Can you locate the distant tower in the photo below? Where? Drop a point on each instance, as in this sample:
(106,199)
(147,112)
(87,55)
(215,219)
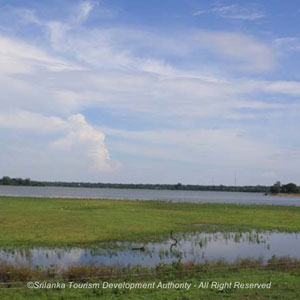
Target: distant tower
(235,179)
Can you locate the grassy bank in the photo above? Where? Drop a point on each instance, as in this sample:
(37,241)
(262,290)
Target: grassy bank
(282,273)
(42,221)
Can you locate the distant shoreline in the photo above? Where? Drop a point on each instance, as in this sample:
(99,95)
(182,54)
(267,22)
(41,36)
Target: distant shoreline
(285,195)
(8,181)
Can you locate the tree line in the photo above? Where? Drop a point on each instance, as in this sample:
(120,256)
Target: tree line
(276,188)
(290,188)
(6,180)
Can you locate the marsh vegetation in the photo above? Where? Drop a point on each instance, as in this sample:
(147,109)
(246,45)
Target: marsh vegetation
(41,228)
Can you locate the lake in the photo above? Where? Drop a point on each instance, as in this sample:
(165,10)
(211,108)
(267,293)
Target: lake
(140,194)
(192,246)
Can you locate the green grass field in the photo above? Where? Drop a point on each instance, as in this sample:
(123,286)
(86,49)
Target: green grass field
(42,221)
(61,222)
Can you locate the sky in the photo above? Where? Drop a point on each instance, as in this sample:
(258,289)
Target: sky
(169,91)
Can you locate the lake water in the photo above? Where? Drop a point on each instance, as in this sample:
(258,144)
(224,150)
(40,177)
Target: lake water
(196,247)
(139,194)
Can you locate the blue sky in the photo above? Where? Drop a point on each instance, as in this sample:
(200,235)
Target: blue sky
(150,91)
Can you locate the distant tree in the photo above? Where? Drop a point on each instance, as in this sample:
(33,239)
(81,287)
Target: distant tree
(177,186)
(290,188)
(276,188)
(6,180)
(27,181)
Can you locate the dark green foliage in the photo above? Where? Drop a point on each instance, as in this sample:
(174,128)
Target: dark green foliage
(179,186)
(276,188)
(6,180)
(290,188)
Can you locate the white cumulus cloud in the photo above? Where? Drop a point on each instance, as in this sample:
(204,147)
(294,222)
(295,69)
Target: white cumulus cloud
(73,137)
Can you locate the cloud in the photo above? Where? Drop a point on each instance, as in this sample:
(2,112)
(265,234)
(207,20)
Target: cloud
(207,152)
(290,88)
(19,57)
(72,136)
(238,12)
(84,10)
(90,141)
(200,12)
(25,120)
(107,71)
(199,146)
(287,43)
(146,85)
(144,50)
(182,81)
(233,12)
(250,53)
(137,84)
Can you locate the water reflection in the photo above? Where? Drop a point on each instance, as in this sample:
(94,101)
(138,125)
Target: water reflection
(195,247)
